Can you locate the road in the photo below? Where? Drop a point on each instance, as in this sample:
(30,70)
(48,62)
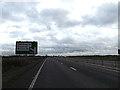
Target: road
(59,72)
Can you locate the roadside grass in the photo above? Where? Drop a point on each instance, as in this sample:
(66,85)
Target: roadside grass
(85,60)
(14,67)
(107,58)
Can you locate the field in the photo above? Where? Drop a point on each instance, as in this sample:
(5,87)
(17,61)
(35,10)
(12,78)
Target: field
(107,57)
(13,67)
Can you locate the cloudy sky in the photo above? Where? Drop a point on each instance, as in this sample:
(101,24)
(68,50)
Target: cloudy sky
(61,27)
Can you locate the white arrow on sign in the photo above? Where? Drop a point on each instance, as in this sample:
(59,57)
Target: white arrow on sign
(33,49)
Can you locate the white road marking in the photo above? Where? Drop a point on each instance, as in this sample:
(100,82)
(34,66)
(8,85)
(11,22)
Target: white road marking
(35,78)
(73,68)
(105,68)
(61,63)
(110,70)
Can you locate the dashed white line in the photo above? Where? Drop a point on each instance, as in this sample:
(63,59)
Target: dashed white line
(61,63)
(73,68)
(35,78)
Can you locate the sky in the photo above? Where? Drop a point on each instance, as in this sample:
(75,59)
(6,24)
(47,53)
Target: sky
(61,27)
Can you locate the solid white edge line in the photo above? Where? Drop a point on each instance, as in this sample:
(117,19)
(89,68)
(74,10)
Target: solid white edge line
(35,78)
(73,68)
(104,68)
(110,70)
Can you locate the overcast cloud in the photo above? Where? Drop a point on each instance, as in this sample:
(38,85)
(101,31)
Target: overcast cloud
(106,14)
(61,27)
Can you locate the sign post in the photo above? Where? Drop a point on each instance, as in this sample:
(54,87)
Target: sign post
(119,51)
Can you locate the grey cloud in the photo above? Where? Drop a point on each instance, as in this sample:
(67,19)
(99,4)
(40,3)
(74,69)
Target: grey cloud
(54,46)
(33,16)
(16,26)
(44,41)
(8,49)
(103,43)
(8,53)
(34,30)
(17,34)
(50,50)
(59,16)
(68,41)
(21,11)
(26,38)
(13,10)
(68,44)
(119,14)
(106,14)
(41,39)
(9,11)
(119,25)
(39,29)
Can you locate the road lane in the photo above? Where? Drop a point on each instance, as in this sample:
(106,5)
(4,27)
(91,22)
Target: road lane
(57,75)
(109,77)
(52,76)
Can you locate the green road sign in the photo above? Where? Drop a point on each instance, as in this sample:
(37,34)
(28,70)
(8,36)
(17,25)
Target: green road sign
(26,47)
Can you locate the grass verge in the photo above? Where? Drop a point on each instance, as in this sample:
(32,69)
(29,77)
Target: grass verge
(106,58)
(13,68)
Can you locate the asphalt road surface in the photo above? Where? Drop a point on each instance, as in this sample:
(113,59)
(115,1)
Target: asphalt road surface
(59,72)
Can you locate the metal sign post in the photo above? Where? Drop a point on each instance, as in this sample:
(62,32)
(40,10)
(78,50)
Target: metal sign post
(118,51)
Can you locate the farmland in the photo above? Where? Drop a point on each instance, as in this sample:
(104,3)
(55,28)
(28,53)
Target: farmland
(97,57)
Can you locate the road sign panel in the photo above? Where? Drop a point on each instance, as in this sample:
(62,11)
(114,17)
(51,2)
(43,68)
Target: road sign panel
(26,47)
